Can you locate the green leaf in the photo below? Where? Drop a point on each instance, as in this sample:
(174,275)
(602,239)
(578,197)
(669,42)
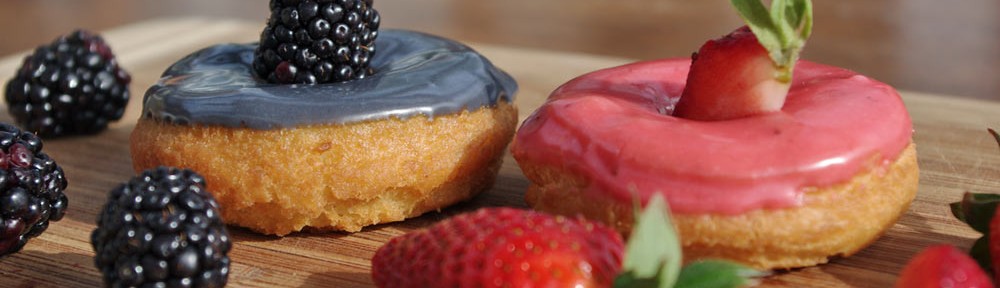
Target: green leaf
(717,274)
(631,280)
(760,22)
(995,134)
(794,16)
(804,9)
(981,252)
(779,17)
(956,210)
(976,209)
(653,252)
(782,30)
(653,256)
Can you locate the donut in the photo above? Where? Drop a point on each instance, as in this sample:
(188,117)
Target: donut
(823,177)
(426,130)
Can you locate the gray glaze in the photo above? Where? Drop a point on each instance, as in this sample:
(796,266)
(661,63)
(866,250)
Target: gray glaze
(415,74)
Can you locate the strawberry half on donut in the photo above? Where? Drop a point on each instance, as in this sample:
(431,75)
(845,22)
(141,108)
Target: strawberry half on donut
(749,71)
(758,168)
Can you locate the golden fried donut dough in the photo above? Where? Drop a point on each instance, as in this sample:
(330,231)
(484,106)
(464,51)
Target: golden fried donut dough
(833,221)
(335,177)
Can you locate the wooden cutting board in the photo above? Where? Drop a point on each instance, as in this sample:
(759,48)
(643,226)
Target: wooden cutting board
(955,151)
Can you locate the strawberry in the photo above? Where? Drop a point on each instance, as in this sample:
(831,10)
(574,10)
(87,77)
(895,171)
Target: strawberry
(507,247)
(979,211)
(994,232)
(731,77)
(994,245)
(747,72)
(942,266)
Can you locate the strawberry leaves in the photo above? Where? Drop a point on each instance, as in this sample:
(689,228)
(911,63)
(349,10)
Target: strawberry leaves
(976,210)
(979,212)
(995,134)
(713,273)
(653,257)
(782,31)
(653,253)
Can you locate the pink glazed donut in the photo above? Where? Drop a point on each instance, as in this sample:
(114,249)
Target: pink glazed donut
(824,177)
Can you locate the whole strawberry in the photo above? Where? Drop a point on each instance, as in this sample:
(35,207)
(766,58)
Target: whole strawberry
(502,247)
(993,235)
(979,211)
(994,246)
(506,247)
(942,266)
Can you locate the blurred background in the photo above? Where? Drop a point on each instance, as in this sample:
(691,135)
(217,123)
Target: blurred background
(933,46)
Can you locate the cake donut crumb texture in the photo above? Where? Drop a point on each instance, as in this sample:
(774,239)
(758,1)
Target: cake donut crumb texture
(427,130)
(335,177)
(834,221)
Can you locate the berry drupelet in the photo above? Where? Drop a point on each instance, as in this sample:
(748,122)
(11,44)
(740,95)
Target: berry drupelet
(72,86)
(162,229)
(317,41)
(31,189)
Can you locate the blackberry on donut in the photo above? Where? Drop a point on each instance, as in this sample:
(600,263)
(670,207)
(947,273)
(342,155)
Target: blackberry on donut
(311,41)
(427,129)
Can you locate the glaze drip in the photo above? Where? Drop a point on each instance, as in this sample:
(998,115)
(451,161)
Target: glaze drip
(415,74)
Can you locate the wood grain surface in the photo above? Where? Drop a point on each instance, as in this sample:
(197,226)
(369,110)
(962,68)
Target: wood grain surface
(956,154)
(935,46)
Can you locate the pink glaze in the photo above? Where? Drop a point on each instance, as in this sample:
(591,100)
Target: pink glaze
(613,127)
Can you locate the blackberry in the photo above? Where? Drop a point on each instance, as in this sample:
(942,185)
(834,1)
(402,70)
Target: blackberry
(31,189)
(162,229)
(72,86)
(317,41)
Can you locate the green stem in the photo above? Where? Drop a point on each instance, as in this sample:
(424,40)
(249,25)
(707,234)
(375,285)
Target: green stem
(782,30)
